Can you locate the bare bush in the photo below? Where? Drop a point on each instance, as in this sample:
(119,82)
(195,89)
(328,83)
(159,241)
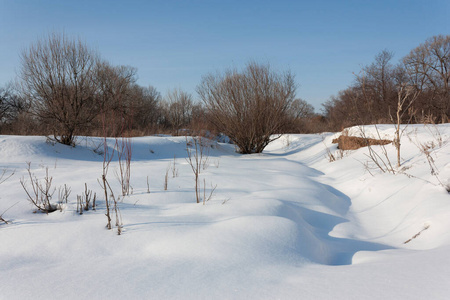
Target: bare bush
(3,178)
(405,98)
(79,205)
(427,149)
(178,110)
(116,94)
(63,195)
(86,200)
(11,106)
(1,215)
(58,77)
(146,108)
(124,154)
(211,193)
(197,150)
(301,113)
(41,191)
(112,201)
(381,161)
(119,223)
(174,167)
(435,133)
(330,155)
(251,107)
(108,155)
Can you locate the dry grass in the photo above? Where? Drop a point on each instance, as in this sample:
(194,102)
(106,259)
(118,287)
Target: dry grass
(352,142)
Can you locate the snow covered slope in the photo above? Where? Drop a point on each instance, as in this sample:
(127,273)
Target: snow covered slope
(285,224)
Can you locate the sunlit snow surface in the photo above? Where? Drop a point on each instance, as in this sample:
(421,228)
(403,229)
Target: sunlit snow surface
(285,224)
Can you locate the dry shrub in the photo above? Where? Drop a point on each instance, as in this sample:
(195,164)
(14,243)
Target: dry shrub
(251,107)
(352,142)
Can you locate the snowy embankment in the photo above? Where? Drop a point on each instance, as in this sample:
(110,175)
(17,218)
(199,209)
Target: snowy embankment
(286,224)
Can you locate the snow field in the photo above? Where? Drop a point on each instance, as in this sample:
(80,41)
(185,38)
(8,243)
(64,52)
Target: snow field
(285,224)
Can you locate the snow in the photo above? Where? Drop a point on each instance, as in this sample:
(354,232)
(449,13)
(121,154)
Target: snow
(284,224)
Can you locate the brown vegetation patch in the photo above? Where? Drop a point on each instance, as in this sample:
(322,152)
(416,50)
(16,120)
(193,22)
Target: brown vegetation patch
(352,142)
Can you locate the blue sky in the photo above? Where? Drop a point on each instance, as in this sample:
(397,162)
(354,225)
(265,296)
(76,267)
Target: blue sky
(174,43)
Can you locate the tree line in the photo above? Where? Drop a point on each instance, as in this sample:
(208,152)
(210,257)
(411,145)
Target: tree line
(65,89)
(373,96)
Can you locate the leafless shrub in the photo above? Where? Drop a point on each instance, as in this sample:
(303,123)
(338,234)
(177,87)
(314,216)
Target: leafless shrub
(1,215)
(427,148)
(84,201)
(251,107)
(79,204)
(174,168)
(63,195)
(330,155)
(333,157)
(4,176)
(107,157)
(112,201)
(211,193)
(178,109)
(58,77)
(435,133)
(406,96)
(381,161)
(97,148)
(41,191)
(124,154)
(117,213)
(197,150)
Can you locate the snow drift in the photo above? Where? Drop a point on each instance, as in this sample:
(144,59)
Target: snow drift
(285,224)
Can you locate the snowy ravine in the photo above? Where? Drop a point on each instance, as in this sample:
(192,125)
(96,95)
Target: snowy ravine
(285,224)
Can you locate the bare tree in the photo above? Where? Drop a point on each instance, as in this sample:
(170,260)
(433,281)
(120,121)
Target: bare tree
(251,106)
(58,77)
(301,109)
(178,109)
(405,99)
(5,108)
(115,92)
(146,112)
(429,68)
(13,107)
(301,113)
(197,150)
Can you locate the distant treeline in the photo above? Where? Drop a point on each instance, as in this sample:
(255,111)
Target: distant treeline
(373,96)
(65,89)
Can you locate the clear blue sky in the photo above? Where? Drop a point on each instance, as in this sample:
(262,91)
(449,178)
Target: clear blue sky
(174,43)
